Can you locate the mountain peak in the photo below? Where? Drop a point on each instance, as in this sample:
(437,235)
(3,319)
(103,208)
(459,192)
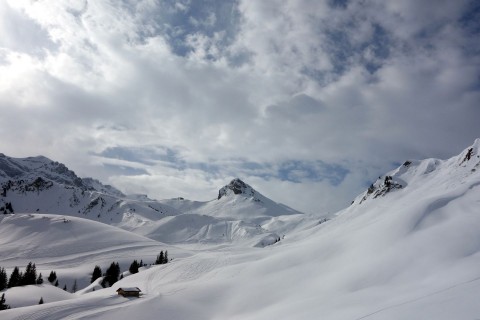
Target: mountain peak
(416,171)
(236,186)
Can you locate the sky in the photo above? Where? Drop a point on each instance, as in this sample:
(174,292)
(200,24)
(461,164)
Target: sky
(308,101)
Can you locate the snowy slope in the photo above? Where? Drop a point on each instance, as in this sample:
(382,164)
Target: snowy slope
(72,247)
(409,252)
(39,185)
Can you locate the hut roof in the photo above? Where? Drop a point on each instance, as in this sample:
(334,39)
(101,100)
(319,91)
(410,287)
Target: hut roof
(129,289)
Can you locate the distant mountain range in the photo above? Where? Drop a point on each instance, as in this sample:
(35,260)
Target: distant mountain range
(40,185)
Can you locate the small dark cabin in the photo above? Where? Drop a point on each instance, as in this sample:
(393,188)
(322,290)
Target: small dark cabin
(129,292)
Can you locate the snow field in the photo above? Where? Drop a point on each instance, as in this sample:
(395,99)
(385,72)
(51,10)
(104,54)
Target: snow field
(412,253)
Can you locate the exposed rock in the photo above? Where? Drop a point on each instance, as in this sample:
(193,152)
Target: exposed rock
(381,188)
(468,156)
(238,187)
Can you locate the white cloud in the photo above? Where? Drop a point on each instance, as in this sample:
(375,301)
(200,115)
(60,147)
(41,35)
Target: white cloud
(360,86)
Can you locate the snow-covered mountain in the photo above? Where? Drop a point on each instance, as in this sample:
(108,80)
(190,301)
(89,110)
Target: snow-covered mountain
(40,185)
(240,213)
(407,248)
(236,199)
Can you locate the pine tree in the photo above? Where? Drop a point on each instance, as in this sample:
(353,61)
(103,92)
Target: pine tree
(103,283)
(141,263)
(41,301)
(30,276)
(111,275)
(52,277)
(74,287)
(21,282)
(165,257)
(3,305)
(8,206)
(14,280)
(97,273)
(133,267)
(65,287)
(3,279)
(56,283)
(40,279)
(159,258)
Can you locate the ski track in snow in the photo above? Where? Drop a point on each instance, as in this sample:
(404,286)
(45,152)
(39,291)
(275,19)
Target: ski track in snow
(418,298)
(75,310)
(188,270)
(53,312)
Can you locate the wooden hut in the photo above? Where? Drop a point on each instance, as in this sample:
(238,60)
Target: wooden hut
(129,292)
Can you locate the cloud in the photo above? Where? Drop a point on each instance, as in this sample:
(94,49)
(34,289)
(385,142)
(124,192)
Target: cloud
(174,98)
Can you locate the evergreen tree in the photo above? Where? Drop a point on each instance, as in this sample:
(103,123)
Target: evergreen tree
(133,267)
(159,258)
(8,206)
(40,279)
(52,277)
(74,287)
(21,282)
(30,276)
(41,301)
(111,275)
(65,287)
(97,273)
(3,305)
(165,257)
(56,283)
(141,263)
(103,283)
(3,279)
(14,280)
(33,274)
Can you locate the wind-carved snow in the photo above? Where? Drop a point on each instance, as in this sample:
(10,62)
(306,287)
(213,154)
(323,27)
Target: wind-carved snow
(409,253)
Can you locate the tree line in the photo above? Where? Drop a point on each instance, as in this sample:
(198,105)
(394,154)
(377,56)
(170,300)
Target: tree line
(113,273)
(30,277)
(20,278)
(24,278)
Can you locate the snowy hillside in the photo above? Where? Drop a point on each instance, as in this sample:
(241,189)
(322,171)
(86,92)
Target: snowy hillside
(39,185)
(407,248)
(72,247)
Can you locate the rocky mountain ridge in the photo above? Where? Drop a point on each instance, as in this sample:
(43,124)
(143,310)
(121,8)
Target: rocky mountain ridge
(40,185)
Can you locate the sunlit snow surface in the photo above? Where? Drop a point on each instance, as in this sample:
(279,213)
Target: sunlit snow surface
(409,253)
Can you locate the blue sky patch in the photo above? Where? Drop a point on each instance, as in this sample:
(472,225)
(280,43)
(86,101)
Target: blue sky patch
(298,171)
